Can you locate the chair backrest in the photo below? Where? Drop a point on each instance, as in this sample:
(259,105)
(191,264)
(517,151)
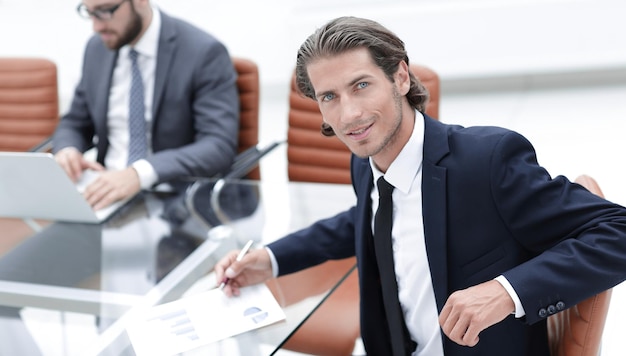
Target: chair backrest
(578,330)
(248,87)
(29,102)
(317,158)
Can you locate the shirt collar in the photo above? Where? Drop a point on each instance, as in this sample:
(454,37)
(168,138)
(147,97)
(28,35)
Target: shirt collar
(403,170)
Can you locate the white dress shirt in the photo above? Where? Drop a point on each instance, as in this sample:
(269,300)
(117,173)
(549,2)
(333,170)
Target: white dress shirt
(415,288)
(117,122)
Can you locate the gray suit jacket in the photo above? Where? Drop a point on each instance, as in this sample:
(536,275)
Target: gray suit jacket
(195,106)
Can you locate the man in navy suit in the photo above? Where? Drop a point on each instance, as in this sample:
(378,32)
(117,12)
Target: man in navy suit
(190,100)
(485,244)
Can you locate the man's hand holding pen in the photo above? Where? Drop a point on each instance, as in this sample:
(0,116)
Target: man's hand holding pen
(240,256)
(239,269)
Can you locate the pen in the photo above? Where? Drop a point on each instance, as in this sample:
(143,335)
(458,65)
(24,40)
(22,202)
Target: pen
(242,253)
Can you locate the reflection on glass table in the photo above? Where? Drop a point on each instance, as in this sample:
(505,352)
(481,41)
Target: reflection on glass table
(67,289)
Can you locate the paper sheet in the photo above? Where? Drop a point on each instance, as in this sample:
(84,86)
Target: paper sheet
(201,319)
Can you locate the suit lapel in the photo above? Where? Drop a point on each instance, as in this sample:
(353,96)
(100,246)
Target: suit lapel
(373,318)
(165,55)
(363,186)
(434,206)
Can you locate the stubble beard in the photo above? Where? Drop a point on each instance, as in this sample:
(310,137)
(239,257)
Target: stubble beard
(129,33)
(390,138)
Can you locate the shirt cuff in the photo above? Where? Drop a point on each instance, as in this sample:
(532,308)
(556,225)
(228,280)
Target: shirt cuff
(273,261)
(519,308)
(146,173)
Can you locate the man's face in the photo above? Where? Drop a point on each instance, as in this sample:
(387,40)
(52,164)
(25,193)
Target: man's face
(123,27)
(367,112)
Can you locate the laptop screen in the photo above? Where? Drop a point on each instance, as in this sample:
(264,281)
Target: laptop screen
(33,185)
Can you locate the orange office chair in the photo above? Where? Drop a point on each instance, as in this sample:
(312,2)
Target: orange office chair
(29,103)
(248,87)
(313,157)
(577,331)
(29,113)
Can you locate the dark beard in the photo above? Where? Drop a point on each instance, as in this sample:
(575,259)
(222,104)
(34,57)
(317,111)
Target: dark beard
(132,31)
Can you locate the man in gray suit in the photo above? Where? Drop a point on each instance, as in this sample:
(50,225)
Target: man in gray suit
(190,102)
(191,114)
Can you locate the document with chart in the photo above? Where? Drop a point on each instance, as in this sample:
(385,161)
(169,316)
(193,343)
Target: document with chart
(201,319)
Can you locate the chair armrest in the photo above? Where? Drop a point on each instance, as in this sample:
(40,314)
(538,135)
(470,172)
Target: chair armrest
(248,159)
(202,198)
(44,146)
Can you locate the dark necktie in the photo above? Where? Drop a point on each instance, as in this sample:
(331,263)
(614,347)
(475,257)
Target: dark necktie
(137,146)
(401,343)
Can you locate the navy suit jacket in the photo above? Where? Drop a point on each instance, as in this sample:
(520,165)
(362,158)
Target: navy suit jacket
(195,106)
(489,209)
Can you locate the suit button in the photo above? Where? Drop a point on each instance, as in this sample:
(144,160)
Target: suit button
(560,306)
(543,313)
(551,309)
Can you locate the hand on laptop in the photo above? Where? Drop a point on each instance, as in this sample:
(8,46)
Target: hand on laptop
(107,188)
(112,186)
(73,163)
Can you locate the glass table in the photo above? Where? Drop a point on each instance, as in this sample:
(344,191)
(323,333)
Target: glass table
(69,288)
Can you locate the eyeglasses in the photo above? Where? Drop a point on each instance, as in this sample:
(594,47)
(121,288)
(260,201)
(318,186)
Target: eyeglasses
(102,14)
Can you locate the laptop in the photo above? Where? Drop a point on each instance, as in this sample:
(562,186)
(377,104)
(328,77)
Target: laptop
(33,185)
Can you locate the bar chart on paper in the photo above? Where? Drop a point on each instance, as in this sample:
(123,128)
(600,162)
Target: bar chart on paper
(201,319)
(177,323)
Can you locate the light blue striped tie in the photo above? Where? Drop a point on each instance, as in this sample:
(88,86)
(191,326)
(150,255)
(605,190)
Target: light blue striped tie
(137,147)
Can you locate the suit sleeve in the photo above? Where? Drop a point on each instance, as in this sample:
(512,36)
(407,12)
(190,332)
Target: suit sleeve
(327,239)
(76,128)
(211,105)
(579,239)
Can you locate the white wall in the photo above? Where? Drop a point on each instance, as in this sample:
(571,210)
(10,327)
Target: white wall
(460,39)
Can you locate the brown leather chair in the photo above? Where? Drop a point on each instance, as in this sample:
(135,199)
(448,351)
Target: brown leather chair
(334,328)
(248,86)
(29,113)
(577,331)
(29,102)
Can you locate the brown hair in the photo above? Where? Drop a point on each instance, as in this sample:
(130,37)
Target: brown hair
(347,33)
